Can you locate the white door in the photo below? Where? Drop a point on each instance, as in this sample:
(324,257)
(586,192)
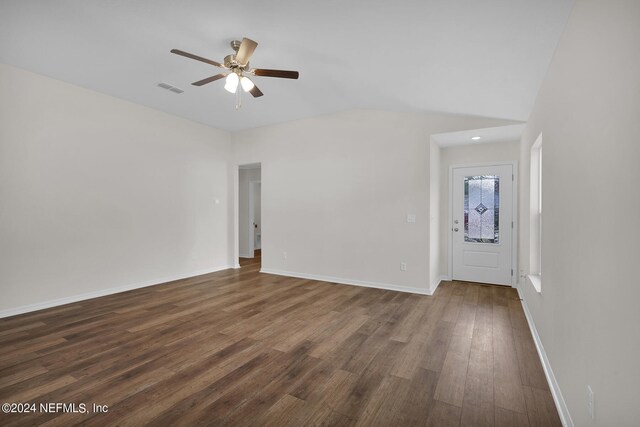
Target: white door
(482,224)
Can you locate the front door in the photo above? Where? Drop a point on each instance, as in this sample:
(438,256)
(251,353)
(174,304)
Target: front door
(482,226)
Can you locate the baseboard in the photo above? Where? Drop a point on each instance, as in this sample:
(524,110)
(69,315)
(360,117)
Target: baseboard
(104,292)
(563,411)
(439,279)
(351,282)
(247,255)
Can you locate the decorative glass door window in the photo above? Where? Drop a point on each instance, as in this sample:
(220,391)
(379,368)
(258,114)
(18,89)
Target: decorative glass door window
(482,209)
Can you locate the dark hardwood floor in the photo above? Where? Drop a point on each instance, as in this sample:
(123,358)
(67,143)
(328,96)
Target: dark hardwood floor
(243,348)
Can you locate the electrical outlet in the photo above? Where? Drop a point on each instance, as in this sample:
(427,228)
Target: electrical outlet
(284,255)
(590,402)
(403,266)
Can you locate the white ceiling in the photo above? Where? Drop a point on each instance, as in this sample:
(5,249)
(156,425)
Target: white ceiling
(481,58)
(508,133)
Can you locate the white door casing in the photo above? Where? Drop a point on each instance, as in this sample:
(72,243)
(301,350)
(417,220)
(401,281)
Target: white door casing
(482,252)
(255,211)
(252,225)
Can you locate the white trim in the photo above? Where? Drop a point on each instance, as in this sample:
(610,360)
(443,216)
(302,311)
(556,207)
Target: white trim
(561,406)
(535,280)
(351,282)
(247,255)
(236,213)
(516,226)
(535,210)
(236,205)
(103,292)
(514,216)
(450,224)
(252,217)
(439,279)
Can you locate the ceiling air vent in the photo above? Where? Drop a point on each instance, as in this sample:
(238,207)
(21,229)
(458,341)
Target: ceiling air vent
(168,87)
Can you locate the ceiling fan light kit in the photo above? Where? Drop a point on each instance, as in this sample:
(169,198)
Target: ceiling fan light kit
(231,82)
(238,65)
(246,83)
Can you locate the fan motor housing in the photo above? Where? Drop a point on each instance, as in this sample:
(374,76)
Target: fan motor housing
(230,62)
(235,45)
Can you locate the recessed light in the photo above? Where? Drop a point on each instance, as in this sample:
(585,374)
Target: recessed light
(475,138)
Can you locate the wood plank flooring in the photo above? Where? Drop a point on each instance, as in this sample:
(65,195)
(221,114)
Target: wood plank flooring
(243,348)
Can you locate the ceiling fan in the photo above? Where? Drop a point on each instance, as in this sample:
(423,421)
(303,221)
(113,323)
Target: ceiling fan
(238,65)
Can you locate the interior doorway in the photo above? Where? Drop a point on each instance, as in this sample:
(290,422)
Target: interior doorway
(482,231)
(255,218)
(250,215)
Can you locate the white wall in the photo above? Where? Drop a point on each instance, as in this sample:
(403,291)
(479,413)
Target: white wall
(437,223)
(588,112)
(245,177)
(98,193)
(466,155)
(348,180)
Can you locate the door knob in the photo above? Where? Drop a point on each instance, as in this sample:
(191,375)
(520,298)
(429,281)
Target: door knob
(455,229)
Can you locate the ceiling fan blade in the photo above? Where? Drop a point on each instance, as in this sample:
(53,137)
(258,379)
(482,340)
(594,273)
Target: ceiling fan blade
(209,80)
(196,57)
(245,51)
(256,92)
(276,73)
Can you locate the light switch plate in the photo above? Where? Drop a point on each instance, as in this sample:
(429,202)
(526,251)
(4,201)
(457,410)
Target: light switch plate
(411,218)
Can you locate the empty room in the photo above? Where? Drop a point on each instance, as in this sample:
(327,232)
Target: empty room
(410,213)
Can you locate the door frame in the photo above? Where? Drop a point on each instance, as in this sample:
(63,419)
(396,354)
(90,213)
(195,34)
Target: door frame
(252,215)
(234,208)
(514,216)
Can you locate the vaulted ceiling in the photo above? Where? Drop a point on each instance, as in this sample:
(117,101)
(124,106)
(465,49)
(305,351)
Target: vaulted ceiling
(482,58)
